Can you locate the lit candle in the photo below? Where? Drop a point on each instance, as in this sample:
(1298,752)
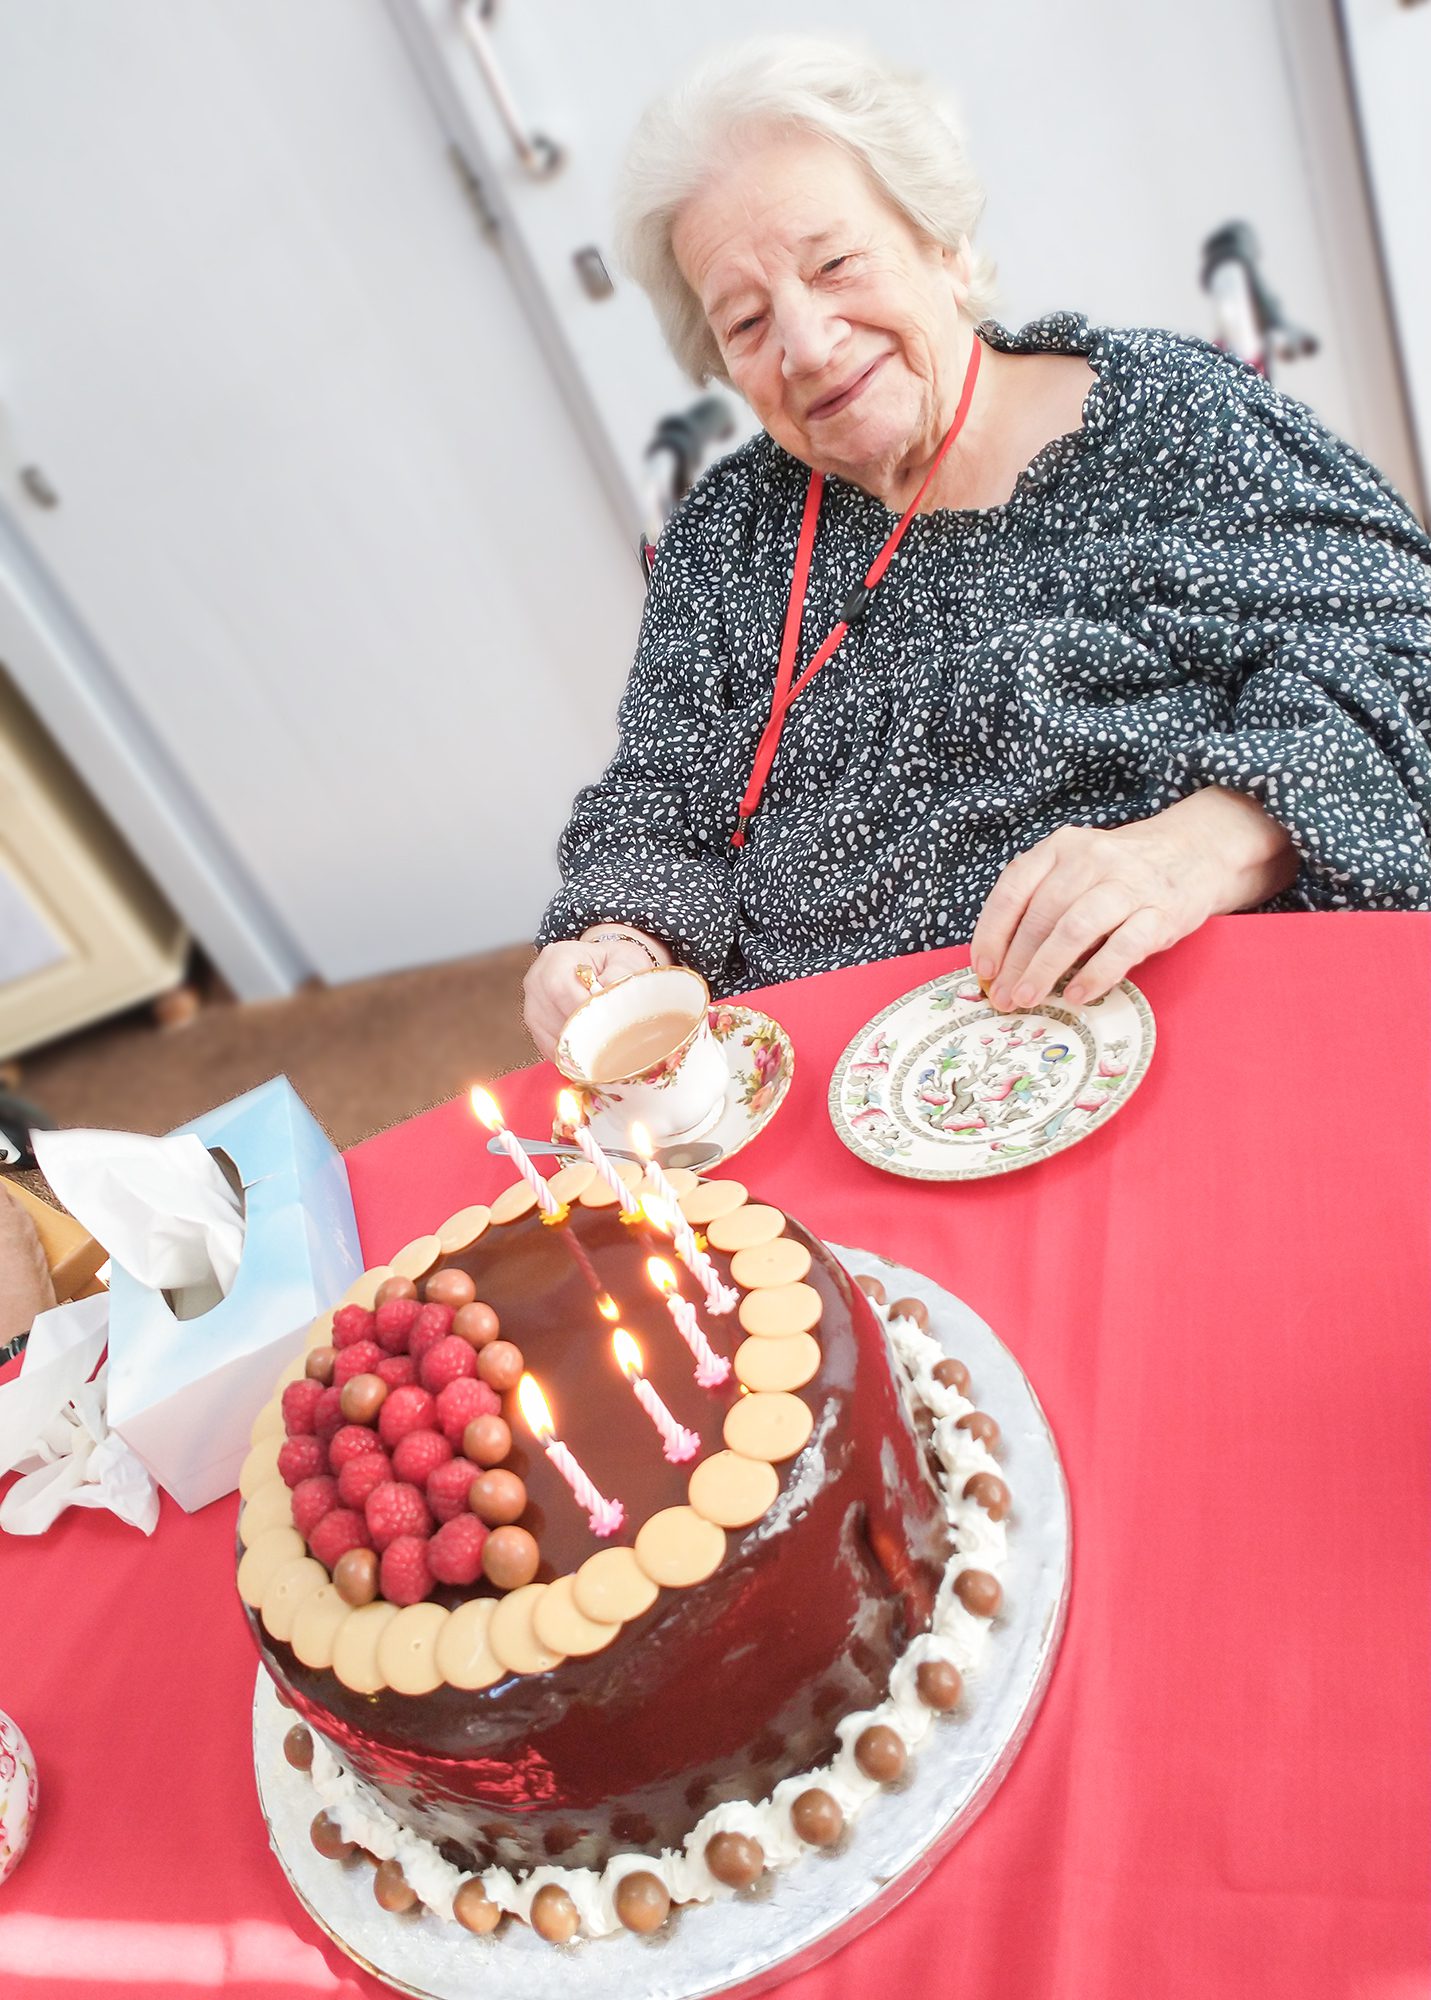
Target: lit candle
(641,1143)
(711,1368)
(486,1107)
(669,1217)
(569,1112)
(603,1516)
(680,1443)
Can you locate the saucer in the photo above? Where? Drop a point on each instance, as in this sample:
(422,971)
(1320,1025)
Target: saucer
(761,1060)
(942,1087)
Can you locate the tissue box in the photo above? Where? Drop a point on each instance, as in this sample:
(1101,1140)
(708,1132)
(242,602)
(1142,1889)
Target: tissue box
(183,1394)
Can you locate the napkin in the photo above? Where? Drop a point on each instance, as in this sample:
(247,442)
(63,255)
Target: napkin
(53,1429)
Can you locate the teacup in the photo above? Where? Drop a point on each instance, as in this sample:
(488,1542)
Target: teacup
(644,1047)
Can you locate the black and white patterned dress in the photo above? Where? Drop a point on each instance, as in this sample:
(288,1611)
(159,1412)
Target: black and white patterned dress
(1203,586)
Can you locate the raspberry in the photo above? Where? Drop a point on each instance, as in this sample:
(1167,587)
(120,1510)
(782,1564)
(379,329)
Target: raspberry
(300,1399)
(449,1486)
(394,1323)
(447,1360)
(328,1413)
(418,1455)
(433,1323)
(361,1358)
(393,1509)
(397,1370)
(301,1458)
(353,1441)
(405,1577)
(351,1323)
(360,1475)
(460,1402)
(312,1499)
(405,1410)
(336,1533)
(454,1554)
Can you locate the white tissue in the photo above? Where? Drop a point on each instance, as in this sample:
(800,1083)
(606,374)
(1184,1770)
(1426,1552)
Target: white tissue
(53,1429)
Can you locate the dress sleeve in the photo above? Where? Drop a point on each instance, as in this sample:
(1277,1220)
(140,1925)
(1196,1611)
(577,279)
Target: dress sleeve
(1305,585)
(633,850)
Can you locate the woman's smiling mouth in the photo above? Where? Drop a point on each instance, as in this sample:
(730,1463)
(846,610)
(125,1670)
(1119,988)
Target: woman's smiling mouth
(832,405)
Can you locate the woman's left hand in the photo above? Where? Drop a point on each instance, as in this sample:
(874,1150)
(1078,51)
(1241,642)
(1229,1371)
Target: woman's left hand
(1122,893)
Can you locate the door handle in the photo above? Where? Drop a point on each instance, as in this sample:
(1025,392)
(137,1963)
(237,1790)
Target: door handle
(539,156)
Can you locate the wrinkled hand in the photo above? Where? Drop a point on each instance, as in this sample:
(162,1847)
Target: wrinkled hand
(552,989)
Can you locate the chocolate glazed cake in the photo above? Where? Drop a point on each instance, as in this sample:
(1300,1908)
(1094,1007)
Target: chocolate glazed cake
(718,1691)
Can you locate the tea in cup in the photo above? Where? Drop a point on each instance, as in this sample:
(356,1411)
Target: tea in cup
(644,1046)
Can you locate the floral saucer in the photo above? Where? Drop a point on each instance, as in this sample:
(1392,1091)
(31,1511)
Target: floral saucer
(942,1087)
(761,1060)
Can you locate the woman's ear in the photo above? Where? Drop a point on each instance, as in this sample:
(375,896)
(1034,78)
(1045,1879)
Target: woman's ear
(959,265)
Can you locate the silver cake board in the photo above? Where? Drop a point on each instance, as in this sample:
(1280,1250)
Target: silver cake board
(799,1915)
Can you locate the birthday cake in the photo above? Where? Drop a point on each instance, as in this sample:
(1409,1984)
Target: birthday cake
(601,1584)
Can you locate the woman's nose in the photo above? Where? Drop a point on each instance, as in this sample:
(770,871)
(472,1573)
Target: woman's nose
(810,331)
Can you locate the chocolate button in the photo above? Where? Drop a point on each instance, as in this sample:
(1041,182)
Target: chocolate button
(599,1195)
(462,1230)
(763,1363)
(773,1426)
(783,1262)
(263,1559)
(784,1310)
(681,1181)
(270,1507)
(462,1654)
(746,1228)
(562,1627)
(512,1634)
(320,1333)
(570,1183)
(364,1289)
(261,1465)
(415,1259)
(732,1491)
(612,1588)
(407,1650)
(703,1203)
(355,1650)
(316,1627)
(268,1420)
(287,1588)
(679,1547)
(513,1202)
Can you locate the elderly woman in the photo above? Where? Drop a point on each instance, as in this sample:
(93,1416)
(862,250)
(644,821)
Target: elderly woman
(1057,641)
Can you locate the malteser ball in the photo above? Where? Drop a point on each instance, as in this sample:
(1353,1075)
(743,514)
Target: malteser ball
(298,1748)
(554,1914)
(954,1375)
(476,1323)
(817,1818)
(500,1365)
(981,1425)
(939,1684)
(474,1908)
(914,1309)
(990,1492)
(450,1287)
(392,1888)
(880,1753)
(978,1592)
(327,1839)
(394,1288)
(319,1365)
(498,1498)
(510,1558)
(643,1901)
(361,1397)
(355,1576)
(872,1289)
(487,1440)
(735,1859)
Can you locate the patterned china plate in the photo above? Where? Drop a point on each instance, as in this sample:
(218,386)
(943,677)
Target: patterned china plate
(761,1060)
(942,1087)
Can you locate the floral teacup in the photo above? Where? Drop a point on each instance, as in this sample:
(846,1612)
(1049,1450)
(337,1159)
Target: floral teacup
(679,1090)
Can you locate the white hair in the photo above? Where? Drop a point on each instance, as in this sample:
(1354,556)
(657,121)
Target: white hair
(891,122)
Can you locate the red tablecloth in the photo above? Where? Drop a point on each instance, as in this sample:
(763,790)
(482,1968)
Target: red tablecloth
(1222,1302)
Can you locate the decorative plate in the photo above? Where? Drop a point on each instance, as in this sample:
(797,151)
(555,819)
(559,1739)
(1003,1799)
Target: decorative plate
(942,1087)
(761,1060)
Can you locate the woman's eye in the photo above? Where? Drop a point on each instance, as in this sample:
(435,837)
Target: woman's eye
(743,326)
(833,265)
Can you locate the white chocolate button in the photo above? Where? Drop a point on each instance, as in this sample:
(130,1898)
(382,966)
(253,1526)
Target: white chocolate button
(782,1310)
(773,1426)
(417,1258)
(364,1289)
(679,1547)
(746,1228)
(315,1628)
(287,1590)
(612,1588)
(570,1183)
(292,1373)
(271,1506)
(320,1334)
(268,1420)
(733,1491)
(680,1179)
(512,1635)
(599,1195)
(563,1628)
(513,1202)
(703,1203)
(460,1231)
(763,1363)
(407,1650)
(263,1558)
(261,1465)
(464,1658)
(783,1262)
(355,1651)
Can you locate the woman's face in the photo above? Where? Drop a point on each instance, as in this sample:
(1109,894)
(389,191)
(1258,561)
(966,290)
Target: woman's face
(838,322)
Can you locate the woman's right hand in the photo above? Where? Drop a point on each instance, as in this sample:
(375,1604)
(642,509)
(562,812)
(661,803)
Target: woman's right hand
(553,989)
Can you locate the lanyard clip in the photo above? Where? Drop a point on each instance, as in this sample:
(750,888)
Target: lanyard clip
(856,604)
(737,839)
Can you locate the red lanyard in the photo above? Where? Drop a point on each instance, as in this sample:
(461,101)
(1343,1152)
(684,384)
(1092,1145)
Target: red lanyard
(854,608)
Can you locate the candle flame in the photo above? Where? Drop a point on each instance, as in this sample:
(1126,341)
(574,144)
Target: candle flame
(608,1307)
(660,1274)
(641,1142)
(569,1110)
(657,1213)
(486,1107)
(535,1407)
(628,1354)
